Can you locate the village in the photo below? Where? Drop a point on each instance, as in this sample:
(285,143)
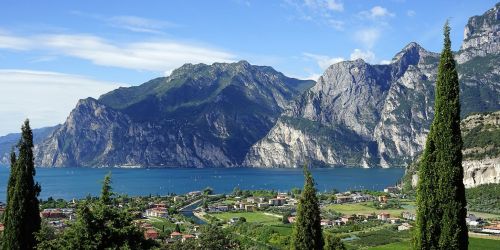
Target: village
(172,218)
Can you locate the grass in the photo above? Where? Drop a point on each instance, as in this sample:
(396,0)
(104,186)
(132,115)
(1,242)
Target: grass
(258,217)
(363,208)
(474,244)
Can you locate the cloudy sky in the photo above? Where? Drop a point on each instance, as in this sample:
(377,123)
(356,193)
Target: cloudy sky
(53,53)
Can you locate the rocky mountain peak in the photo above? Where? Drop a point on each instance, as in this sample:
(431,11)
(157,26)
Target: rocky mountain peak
(481,35)
(410,53)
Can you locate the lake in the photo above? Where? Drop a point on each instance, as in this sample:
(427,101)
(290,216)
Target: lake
(68,183)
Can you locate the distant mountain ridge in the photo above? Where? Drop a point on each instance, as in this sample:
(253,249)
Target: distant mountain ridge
(237,114)
(8,141)
(199,116)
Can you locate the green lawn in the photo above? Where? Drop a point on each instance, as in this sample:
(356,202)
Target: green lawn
(363,208)
(474,244)
(258,217)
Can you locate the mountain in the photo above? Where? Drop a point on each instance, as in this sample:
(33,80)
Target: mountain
(481,151)
(7,142)
(199,116)
(379,115)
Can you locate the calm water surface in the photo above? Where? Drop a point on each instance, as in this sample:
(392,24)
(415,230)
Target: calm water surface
(68,183)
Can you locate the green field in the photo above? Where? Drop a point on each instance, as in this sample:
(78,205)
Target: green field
(258,217)
(474,244)
(364,208)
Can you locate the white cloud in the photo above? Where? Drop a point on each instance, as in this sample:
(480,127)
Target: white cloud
(411,13)
(324,61)
(333,5)
(367,56)
(46,98)
(368,37)
(157,56)
(376,12)
(11,42)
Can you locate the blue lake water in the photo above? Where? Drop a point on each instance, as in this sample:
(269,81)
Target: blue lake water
(68,183)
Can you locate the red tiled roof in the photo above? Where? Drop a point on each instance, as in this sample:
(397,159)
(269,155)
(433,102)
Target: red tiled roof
(175,234)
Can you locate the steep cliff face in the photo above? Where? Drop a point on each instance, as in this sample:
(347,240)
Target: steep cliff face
(199,116)
(380,111)
(481,36)
(387,108)
(481,151)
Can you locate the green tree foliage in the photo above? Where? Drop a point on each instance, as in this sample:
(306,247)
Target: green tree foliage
(333,243)
(100,225)
(213,238)
(177,228)
(441,193)
(22,215)
(307,234)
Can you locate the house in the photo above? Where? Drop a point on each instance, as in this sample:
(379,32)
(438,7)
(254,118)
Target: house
(492,229)
(159,205)
(2,227)
(391,190)
(52,214)
(157,212)
(338,222)
(151,234)
(249,208)
(175,235)
(261,199)
(277,202)
(223,208)
(251,200)
(472,220)
(291,219)
(262,205)
(383,216)
(343,198)
(187,237)
(325,222)
(178,198)
(404,226)
(282,196)
(346,219)
(382,199)
(408,215)
(195,193)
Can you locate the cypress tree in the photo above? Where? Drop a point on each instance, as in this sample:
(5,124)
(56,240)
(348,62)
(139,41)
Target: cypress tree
(22,217)
(441,193)
(307,234)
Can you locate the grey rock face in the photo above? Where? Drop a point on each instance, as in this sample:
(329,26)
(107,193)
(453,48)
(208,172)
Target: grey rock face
(481,36)
(388,109)
(199,116)
(382,111)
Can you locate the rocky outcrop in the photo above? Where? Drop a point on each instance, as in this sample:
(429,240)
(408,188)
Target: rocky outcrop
(484,171)
(481,36)
(481,150)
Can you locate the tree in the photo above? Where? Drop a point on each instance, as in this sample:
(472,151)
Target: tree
(307,234)
(213,238)
(177,228)
(334,243)
(100,225)
(441,200)
(106,190)
(208,191)
(22,215)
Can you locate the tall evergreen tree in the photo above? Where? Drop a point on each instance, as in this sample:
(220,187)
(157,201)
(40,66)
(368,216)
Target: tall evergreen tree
(22,216)
(307,234)
(441,193)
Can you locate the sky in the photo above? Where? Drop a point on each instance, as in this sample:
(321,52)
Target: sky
(53,53)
